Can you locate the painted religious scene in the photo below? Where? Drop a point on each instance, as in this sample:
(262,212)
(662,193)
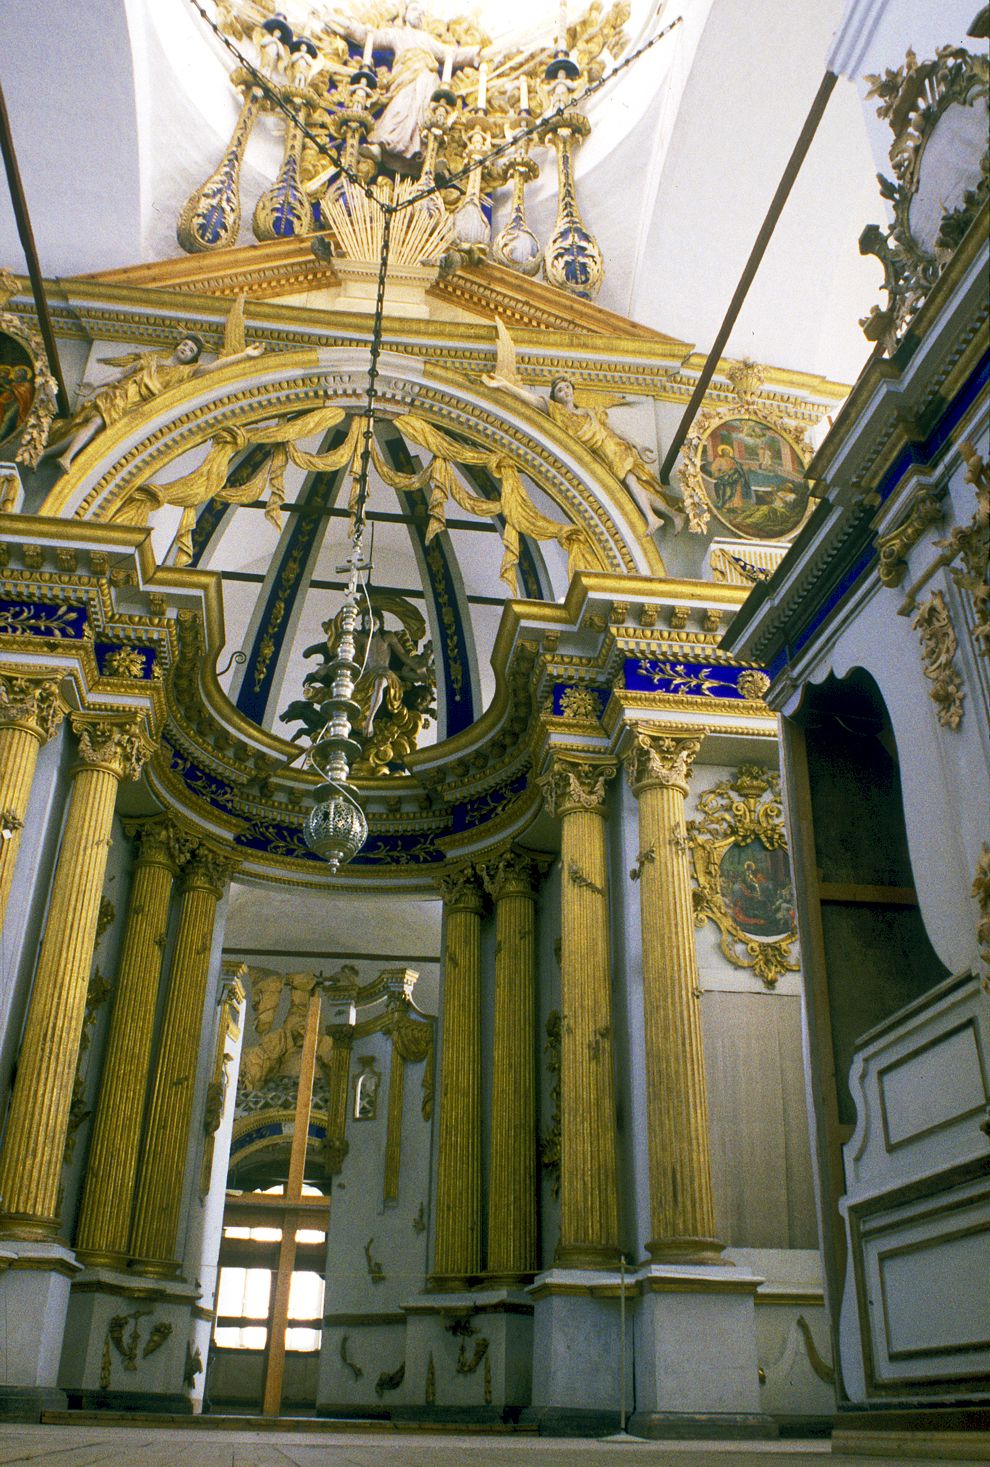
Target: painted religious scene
(16,387)
(754,479)
(756,888)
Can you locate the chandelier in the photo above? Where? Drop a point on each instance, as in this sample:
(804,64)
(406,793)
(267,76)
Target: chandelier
(406,224)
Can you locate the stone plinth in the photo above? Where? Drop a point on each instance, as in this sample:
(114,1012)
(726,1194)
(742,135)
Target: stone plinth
(35,1278)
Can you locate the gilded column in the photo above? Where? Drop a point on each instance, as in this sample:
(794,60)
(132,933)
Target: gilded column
(512,880)
(682,1214)
(30,712)
(457,1240)
(574,792)
(105,1216)
(31,1161)
(155,1226)
(336,1147)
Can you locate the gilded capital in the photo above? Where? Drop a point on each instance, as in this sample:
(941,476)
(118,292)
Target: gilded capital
(462,889)
(575,784)
(120,748)
(515,872)
(32,703)
(661,759)
(160,842)
(208,870)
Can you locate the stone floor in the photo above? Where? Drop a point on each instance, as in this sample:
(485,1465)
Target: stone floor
(151,1446)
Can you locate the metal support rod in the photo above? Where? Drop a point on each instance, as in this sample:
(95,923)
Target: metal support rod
(26,235)
(752,265)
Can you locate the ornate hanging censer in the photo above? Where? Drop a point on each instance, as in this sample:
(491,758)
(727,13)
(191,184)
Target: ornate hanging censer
(336,827)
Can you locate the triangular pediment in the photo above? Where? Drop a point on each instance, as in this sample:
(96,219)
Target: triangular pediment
(288,271)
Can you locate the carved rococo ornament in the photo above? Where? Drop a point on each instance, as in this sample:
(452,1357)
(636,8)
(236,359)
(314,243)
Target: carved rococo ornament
(33,433)
(933,622)
(662,759)
(121,748)
(574,784)
(915,99)
(33,702)
(925,510)
(738,851)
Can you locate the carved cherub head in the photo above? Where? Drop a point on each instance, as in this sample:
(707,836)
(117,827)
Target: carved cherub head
(189,350)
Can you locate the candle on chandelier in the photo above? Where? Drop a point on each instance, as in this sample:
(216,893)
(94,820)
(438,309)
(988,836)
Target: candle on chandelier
(448,66)
(483,86)
(562,27)
(524,94)
(369,46)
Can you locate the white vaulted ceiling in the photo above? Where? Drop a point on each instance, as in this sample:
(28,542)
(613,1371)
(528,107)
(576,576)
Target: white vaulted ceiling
(121,109)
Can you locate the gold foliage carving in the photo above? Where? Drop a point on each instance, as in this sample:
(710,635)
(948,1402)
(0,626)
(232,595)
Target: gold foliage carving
(34,431)
(938,649)
(981,892)
(926,510)
(743,811)
(971,545)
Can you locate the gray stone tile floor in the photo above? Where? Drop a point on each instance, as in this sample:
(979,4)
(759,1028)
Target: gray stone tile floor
(151,1446)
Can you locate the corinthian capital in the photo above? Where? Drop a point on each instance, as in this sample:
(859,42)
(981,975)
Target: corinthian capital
(208,869)
(160,841)
(515,872)
(462,889)
(662,759)
(32,702)
(575,784)
(121,748)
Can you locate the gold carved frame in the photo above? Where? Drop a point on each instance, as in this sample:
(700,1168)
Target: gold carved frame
(736,812)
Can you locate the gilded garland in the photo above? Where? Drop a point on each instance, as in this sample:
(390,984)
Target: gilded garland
(739,855)
(27,387)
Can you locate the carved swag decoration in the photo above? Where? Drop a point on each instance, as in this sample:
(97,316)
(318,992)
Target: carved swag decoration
(739,856)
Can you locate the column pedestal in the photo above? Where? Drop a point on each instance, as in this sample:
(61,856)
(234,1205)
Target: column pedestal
(106,1305)
(576,1352)
(35,1278)
(697,1371)
(468,1358)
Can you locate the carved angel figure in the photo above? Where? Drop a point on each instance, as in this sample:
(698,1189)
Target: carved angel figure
(147,375)
(394,691)
(590,426)
(413,76)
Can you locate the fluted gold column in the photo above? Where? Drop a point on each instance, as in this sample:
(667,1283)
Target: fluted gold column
(682,1215)
(105,1216)
(457,1240)
(512,880)
(34,1141)
(154,1230)
(30,712)
(574,792)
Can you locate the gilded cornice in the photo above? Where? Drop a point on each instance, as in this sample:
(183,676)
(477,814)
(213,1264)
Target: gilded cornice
(595,348)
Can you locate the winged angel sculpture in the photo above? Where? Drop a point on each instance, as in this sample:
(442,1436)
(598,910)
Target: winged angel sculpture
(148,374)
(590,426)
